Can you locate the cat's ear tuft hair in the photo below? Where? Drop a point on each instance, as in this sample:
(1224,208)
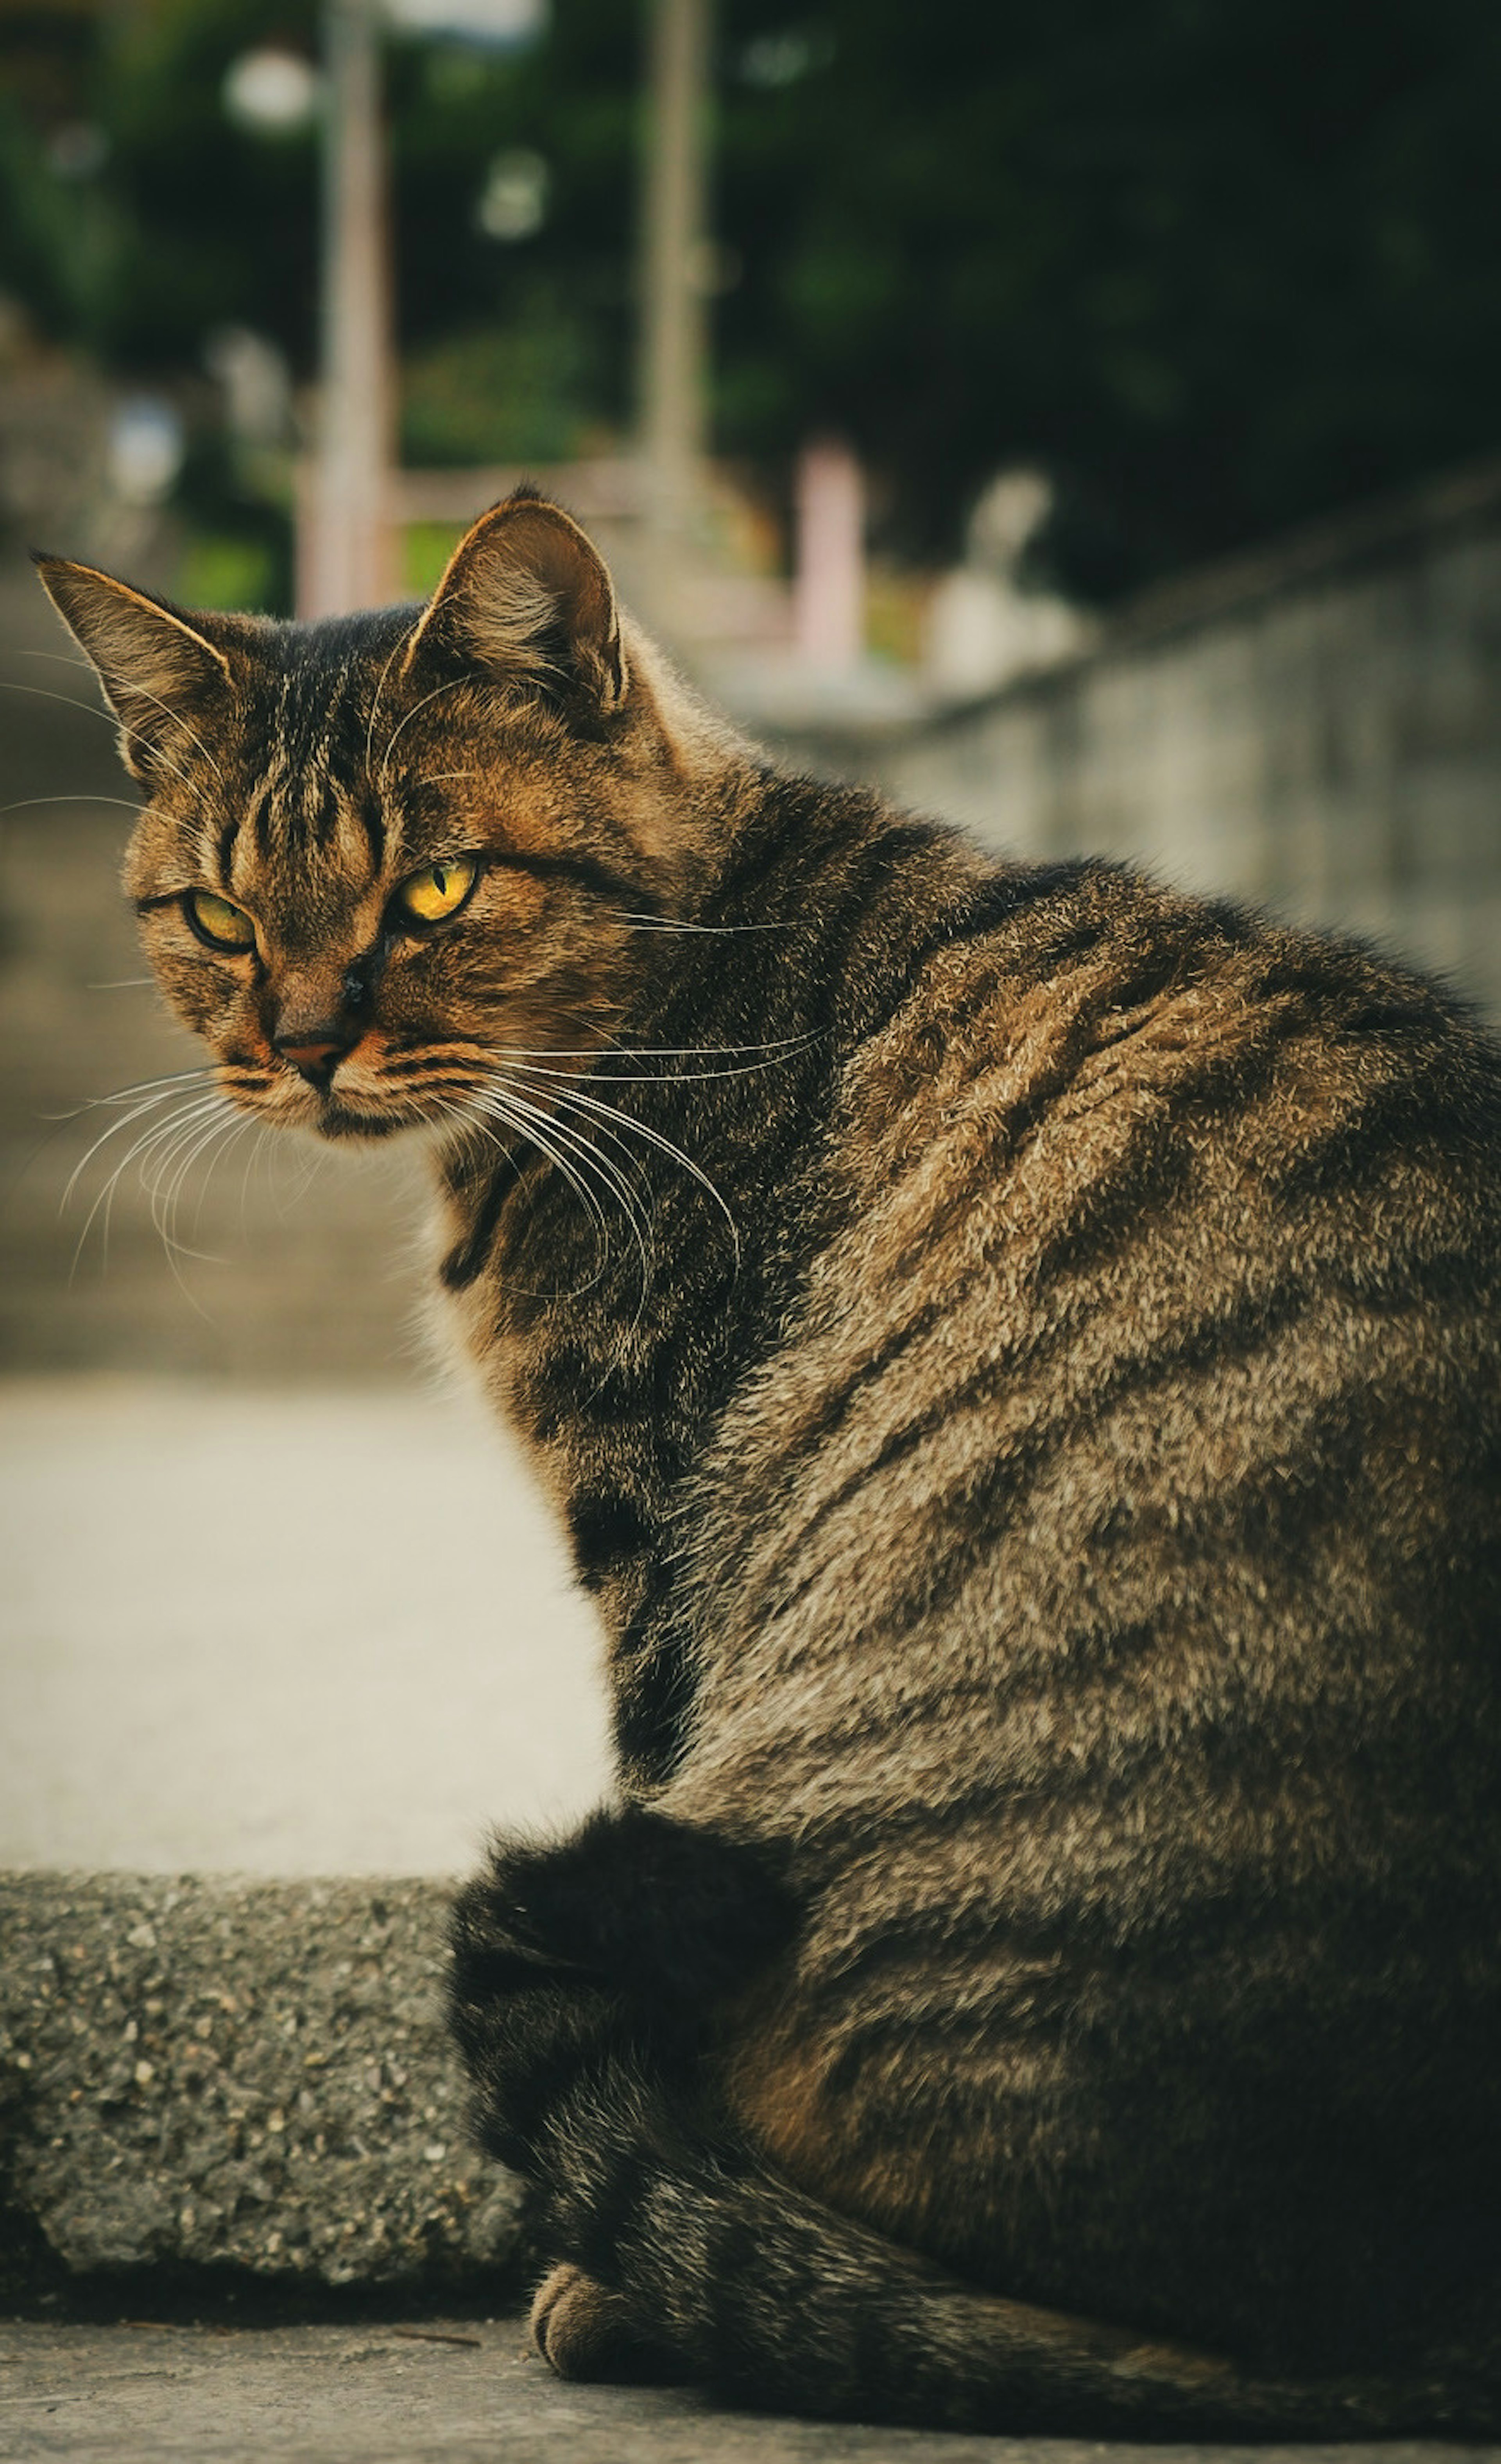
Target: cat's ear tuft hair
(159,671)
(526,598)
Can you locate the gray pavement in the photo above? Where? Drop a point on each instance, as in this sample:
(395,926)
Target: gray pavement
(286,1631)
(463,2391)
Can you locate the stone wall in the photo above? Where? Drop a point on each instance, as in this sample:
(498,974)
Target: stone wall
(1318,727)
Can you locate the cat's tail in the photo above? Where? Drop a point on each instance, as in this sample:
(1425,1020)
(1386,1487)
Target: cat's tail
(686,2248)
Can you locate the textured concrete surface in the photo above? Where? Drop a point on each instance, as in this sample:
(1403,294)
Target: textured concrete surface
(221,2075)
(279,1632)
(461,2391)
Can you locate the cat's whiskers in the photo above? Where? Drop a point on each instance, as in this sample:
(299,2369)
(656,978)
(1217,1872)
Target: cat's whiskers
(230,1133)
(660,1077)
(553,1139)
(151,1096)
(195,1110)
(545,1124)
(145,694)
(11,684)
(138,1086)
(171,1169)
(491,1104)
(450,685)
(625,1179)
(8,684)
(777,1049)
(573,1096)
(19,805)
(263,1132)
(634,1189)
(586,1150)
(469,1121)
(672,924)
(220,1133)
(369,733)
(63,661)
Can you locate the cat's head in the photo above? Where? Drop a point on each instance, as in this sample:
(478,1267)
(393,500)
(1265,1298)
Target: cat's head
(383,854)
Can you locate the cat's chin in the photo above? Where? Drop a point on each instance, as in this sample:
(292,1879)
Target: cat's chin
(341,1121)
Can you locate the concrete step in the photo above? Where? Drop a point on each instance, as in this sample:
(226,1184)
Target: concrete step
(204,2074)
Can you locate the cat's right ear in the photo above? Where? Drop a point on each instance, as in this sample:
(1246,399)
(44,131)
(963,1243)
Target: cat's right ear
(161,674)
(526,599)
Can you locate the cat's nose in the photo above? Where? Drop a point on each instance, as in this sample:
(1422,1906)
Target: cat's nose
(314,1056)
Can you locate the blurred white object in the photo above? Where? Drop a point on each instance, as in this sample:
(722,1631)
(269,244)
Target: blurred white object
(256,382)
(501,22)
(513,203)
(77,149)
(271,90)
(982,627)
(146,450)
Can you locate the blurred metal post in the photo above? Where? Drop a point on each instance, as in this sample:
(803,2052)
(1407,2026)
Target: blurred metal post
(347,549)
(674,243)
(828,582)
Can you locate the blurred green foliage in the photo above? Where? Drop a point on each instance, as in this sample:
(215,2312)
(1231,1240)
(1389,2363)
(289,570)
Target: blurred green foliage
(1218,264)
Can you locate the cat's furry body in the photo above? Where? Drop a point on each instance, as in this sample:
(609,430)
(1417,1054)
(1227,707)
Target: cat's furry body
(1042,1499)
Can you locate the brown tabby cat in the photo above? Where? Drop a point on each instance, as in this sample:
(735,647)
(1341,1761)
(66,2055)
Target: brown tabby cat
(1016,1352)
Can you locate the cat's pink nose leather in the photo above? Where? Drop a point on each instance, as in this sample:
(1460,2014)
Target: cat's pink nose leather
(314,1057)
(316,1054)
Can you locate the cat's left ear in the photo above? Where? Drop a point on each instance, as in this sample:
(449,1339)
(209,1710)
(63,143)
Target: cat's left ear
(161,674)
(526,598)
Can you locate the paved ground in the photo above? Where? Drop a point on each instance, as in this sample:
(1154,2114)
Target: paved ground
(284,1633)
(457,2391)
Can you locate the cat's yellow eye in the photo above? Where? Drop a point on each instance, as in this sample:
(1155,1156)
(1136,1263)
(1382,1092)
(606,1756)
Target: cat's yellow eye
(215,921)
(438,891)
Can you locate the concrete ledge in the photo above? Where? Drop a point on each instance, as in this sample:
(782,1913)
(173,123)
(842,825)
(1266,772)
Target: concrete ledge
(211,2074)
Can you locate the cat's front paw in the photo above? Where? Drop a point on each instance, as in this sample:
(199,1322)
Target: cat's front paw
(583,2330)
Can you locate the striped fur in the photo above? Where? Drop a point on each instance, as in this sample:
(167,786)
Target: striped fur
(1015,1352)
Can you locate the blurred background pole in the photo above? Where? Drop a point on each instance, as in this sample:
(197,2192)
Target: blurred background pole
(675,246)
(347,558)
(828,575)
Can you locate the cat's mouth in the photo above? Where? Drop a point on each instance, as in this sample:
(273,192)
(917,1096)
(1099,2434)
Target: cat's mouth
(331,1112)
(334,1104)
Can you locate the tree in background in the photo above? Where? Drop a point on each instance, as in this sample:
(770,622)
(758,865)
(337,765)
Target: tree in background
(1218,265)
